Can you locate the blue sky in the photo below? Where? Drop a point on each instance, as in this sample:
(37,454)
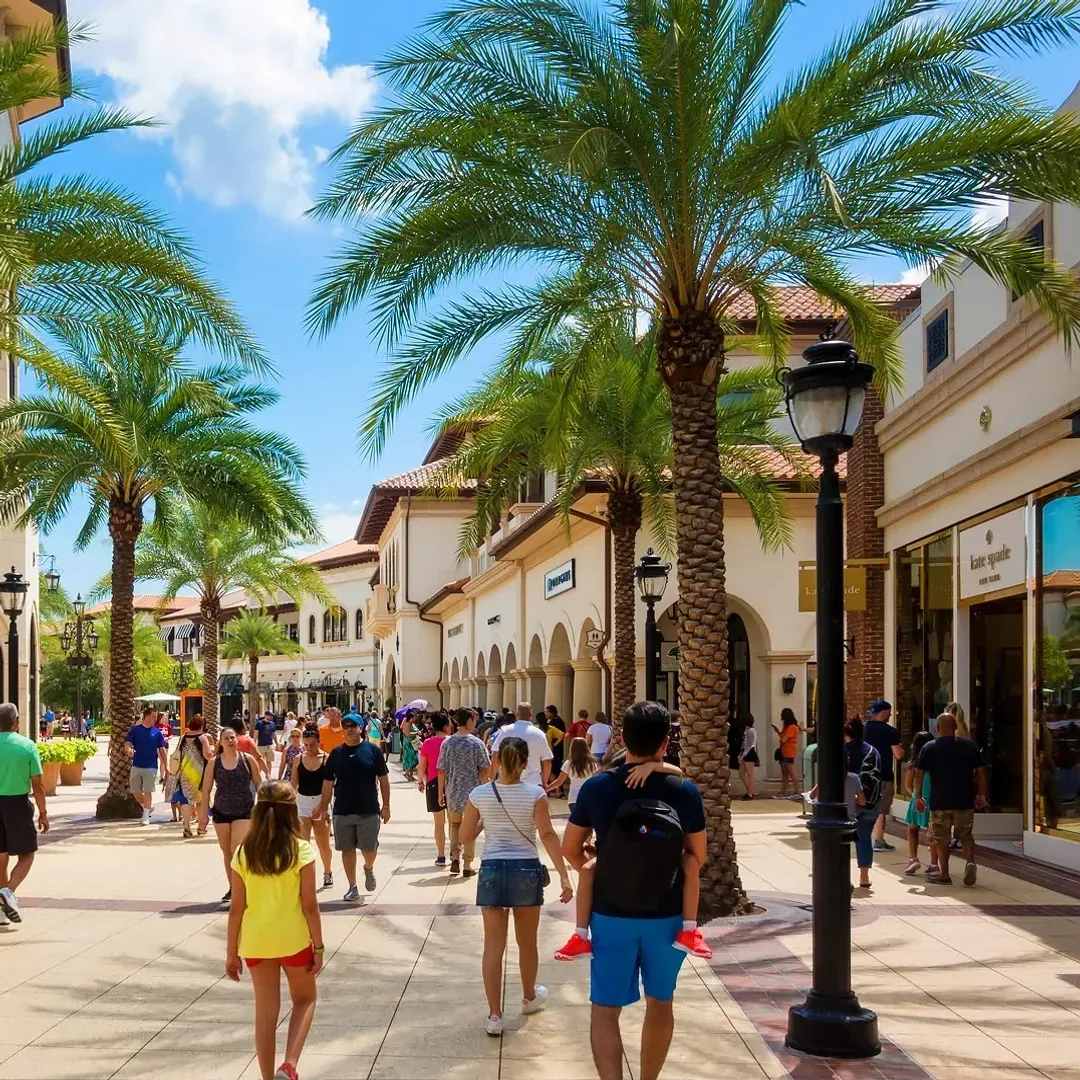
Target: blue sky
(252,94)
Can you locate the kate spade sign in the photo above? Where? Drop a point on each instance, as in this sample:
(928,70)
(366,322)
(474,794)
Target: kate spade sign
(993,554)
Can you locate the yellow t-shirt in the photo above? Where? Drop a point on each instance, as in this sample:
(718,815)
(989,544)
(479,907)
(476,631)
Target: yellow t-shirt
(274,923)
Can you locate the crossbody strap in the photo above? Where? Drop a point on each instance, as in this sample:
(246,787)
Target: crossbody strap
(498,799)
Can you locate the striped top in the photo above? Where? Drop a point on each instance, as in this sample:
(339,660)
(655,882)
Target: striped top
(502,840)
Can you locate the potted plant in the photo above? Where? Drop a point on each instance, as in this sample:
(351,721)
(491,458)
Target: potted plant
(54,754)
(71,773)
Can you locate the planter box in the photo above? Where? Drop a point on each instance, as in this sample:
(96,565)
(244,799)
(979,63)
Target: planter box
(71,775)
(50,774)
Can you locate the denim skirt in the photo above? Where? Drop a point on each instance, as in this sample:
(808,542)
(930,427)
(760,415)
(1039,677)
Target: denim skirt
(510,883)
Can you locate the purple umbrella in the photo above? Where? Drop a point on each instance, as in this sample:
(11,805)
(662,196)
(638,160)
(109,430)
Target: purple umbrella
(419,705)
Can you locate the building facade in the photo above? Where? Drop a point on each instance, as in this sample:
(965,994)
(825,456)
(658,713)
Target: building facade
(981,522)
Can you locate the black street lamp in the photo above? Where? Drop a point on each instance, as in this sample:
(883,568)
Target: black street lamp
(13,589)
(52,575)
(361,688)
(80,639)
(824,402)
(652,576)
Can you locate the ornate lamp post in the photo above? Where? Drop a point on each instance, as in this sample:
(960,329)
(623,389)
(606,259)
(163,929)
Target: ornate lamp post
(80,639)
(824,402)
(13,590)
(652,577)
(361,689)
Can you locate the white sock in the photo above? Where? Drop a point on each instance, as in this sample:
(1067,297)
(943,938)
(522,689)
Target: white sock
(689,924)
(582,932)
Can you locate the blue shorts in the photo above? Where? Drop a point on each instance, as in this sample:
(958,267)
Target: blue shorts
(511,883)
(629,952)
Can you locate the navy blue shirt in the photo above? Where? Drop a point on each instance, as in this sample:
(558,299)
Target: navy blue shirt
(600,797)
(264,732)
(146,741)
(354,771)
(883,737)
(951,764)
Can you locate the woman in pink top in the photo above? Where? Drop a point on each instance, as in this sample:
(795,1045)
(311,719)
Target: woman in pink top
(427,781)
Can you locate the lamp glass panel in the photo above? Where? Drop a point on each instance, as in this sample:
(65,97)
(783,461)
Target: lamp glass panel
(819,411)
(856,397)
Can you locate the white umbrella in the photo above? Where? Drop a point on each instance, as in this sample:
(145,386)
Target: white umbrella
(419,705)
(159,697)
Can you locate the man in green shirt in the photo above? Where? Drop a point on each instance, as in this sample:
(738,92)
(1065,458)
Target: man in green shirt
(20,774)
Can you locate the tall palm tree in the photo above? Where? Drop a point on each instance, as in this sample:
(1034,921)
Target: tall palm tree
(649,154)
(72,248)
(591,404)
(214,553)
(252,635)
(127,423)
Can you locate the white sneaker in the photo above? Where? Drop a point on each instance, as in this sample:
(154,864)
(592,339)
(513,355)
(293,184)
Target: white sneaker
(537,1003)
(494,1025)
(9,906)
(145,818)
(4,920)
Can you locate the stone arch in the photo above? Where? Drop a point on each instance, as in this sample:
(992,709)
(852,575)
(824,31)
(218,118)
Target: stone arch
(535,682)
(511,657)
(465,669)
(494,666)
(390,681)
(510,678)
(583,650)
(559,675)
(559,649)
(481,667)
(494,695)
(536,652)
(455,672)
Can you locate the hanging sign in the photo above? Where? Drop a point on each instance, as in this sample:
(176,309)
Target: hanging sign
(594,638)
(993,554)
(669,656)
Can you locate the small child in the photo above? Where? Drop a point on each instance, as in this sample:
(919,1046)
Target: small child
(577,767)
(913,819)
(294,748)
(274,924)
(690,938)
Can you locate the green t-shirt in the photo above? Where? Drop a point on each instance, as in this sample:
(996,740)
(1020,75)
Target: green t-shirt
(19,761)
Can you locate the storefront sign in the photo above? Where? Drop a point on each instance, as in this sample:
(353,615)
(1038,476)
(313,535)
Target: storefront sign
(494,619)
(455,630)
(854,588)
(594,638)
(561,579)
(669,656)
(993,554)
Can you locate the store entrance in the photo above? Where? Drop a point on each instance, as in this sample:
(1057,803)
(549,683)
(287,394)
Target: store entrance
(997,697)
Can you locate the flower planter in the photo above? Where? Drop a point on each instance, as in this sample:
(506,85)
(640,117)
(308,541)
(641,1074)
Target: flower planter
(71,775)
(50,774)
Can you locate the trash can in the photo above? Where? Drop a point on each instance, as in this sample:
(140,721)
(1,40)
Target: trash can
(809,773)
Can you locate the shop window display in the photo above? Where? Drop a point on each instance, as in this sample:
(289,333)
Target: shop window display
(1057,657)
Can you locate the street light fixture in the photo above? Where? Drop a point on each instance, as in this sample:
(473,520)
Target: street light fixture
(824,402)
(80,639)
(13,592)
(652,578)
(52,575)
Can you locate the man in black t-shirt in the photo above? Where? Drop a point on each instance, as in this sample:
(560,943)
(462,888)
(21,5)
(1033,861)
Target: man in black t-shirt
(885,739)
(351,774)
(958,783)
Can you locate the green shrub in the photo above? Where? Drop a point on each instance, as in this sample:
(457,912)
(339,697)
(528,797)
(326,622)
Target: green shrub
(58,750)
(84,748)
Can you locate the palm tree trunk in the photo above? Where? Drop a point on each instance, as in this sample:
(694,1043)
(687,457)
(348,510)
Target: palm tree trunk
(210,612)
(252,694)
(624,516)
(690,351)
(105,684)
(125,524)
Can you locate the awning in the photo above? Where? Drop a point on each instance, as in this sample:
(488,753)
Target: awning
(184,631)
(230,684)
(164,633)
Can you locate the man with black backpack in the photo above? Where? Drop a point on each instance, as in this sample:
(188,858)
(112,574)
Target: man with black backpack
(641,835)
(864,761)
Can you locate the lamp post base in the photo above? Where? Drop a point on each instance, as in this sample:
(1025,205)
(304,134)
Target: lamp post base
(833,1027)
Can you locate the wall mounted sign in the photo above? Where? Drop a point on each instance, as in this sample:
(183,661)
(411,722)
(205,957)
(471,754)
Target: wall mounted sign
(453,631)
(854,588)
(594,638)
(993,554)
(669,656)
(560,579)
(494,619)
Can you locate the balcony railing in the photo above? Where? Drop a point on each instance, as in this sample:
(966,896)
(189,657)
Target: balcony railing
(381,611)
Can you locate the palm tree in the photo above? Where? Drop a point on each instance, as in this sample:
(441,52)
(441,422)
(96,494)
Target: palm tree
(591,405)
(72,248)
(251,635)
(648,154)
(214,553)
(127,423)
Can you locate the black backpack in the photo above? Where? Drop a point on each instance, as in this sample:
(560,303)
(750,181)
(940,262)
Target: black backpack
(640,859)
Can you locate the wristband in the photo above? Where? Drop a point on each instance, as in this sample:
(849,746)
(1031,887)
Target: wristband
(320,949)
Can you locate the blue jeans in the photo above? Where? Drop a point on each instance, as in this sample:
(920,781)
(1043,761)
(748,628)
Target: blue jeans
(865,817)
(510,883)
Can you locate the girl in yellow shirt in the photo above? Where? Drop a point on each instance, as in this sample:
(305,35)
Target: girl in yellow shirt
(274,924)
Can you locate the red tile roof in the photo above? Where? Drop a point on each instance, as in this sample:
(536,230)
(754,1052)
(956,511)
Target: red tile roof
(1062,579)
(143,602)
(344,554)
(385,494)
(798,303)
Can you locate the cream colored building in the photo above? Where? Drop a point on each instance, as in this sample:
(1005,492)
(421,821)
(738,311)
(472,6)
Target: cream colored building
(982,522)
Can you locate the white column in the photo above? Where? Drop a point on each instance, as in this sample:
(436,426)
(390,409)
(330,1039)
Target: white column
(513,688)
(535,689)
(777,665)
(480,693)
(588,687)
(559,688)
(468,693)
(494,693)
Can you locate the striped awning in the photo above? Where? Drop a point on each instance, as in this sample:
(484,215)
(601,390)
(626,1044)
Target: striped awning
(184,631)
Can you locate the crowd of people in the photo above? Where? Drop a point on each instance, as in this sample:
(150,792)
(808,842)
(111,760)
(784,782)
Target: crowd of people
(65,725)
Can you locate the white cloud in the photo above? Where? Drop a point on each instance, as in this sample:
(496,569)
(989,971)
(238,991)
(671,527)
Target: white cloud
(338,523)
(990,212)
(237,83)
(915,275)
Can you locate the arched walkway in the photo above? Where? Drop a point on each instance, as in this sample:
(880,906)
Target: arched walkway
(494,680)
(455,685)
(558,673)
(588,691)
(511,679)
(536,683)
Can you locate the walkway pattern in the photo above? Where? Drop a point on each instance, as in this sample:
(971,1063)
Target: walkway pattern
(116,971)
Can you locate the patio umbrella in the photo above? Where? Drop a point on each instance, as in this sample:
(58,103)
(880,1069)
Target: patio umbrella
(419,705)
(159,697)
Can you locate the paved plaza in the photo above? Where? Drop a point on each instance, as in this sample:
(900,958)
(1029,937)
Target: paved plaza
(116,970)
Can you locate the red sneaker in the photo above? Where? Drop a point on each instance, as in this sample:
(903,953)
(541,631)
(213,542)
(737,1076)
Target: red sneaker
(286,1072)
(693,942)
(574,949)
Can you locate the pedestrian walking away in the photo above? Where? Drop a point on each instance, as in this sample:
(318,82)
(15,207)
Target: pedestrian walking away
(916,819)
(598,736)
(229,791)
(864,761)
(427,781)
(190,756)
(641,839)
(463,764)
(20,778)
(355,775)
(958,786)
(538,766)
(306,776)
(880,733)
(511,813)
(146,747)
(748,756)
(274,925)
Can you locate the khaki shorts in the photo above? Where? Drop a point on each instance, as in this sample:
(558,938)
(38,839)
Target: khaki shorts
(267,754)
(943,823)
(888,791)
(143,781)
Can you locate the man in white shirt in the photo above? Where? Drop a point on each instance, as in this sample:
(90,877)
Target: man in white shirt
(538,770)
(598,737)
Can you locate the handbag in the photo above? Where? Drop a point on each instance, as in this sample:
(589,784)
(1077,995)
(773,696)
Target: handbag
(776,754)
(545,874)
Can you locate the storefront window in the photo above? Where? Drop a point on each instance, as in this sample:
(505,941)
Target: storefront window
(924,639)
(1057,656)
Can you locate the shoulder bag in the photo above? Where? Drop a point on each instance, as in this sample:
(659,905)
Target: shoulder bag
(545,874)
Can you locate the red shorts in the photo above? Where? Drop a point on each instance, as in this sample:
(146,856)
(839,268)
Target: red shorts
(304,958)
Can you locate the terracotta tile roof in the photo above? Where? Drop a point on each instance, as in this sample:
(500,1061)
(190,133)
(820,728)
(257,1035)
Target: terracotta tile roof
(343,554)
(386,493)
(143,602)
(229,602)
(1062,579)
(451,588)
(797,303)
(785,472)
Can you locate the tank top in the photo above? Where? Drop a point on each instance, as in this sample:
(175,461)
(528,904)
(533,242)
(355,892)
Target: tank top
(291,754)
(232,788)
(310,781)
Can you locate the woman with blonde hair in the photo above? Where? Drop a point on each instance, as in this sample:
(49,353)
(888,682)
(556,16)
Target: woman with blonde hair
(954,708)
(511,814)
(274,925)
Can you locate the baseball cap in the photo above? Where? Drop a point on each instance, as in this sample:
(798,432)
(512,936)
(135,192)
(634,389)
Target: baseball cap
(348,720)
(879,706)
